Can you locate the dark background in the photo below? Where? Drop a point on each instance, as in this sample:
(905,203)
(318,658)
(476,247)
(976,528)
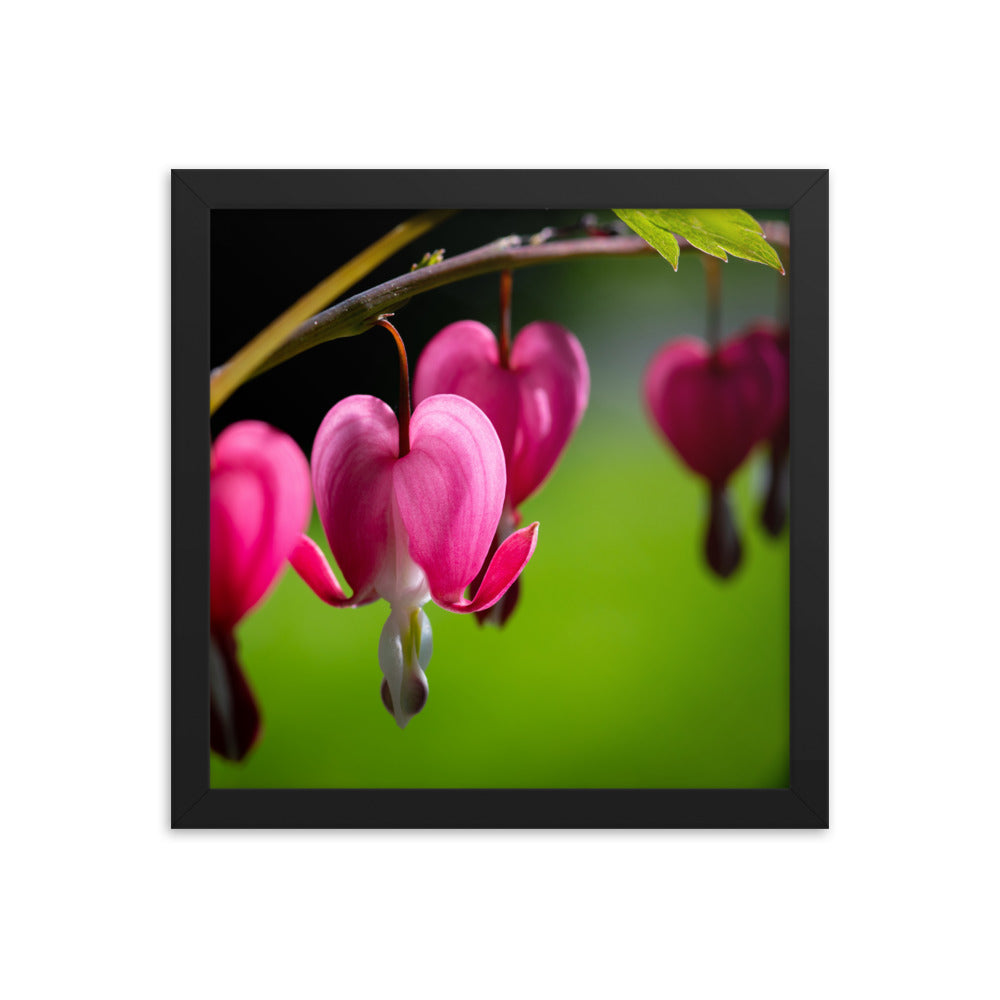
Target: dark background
(264,260)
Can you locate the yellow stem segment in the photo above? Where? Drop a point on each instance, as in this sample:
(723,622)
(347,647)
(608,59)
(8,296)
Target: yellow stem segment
(248,359)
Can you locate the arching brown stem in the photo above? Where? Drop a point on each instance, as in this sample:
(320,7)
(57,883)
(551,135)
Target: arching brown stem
(506,285)
(404,388)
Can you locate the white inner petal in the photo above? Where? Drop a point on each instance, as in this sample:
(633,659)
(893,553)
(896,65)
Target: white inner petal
(404,651)
(404,647)
(401,581)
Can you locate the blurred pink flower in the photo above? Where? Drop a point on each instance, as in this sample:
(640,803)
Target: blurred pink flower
(259,505)
(410,521)
(771,341)
(713,407)
(535,401)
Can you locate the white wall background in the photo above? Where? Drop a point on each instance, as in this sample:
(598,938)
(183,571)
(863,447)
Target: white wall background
(99,898)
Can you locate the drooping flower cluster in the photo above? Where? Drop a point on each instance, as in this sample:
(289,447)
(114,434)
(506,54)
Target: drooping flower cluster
(424,507)
(415,508)
(713,407)
(534,395)
(259,505)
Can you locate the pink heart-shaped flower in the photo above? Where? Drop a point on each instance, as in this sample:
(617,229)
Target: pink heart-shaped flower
(770,340)
(259,505)
(534,405)
(410,528)
(260,501)
(712,407)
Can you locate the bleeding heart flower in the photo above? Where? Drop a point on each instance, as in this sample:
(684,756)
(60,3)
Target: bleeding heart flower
(409,515)
(713,407)
(771,341)
(534,398)
(259,506)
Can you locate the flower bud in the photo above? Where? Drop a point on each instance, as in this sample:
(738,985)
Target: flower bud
(404,651)
(723,550)
(234,719)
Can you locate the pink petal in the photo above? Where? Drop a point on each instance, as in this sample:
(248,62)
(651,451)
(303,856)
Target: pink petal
(449,491)
(534,407)
(554,384)
(310,563)
(458,348)
(755,369)
(259,504)
(352,461)
(464,360)
(710,407)
(504,569)
(765,337)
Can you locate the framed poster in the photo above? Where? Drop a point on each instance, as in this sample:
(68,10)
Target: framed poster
(559,443)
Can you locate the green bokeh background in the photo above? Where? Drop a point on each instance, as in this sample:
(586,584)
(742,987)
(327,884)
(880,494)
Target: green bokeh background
(627,664)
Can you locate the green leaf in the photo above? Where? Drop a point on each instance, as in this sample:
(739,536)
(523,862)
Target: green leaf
(639,221)
(715,231)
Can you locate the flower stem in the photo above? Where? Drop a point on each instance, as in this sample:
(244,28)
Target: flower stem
(713,288)
(359,313)
(506,284)
(404,388)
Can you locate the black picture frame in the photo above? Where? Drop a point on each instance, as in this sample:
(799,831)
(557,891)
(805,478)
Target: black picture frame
(804,804)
